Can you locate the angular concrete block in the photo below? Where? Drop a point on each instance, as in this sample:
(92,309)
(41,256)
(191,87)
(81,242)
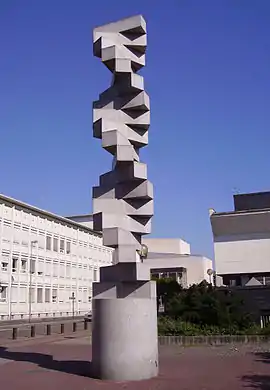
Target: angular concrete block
(124,304)
(125,272)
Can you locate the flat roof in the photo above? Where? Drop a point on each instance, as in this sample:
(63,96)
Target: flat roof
(160,255)
(252,193)
(47,214)
(80,216)
(241,212)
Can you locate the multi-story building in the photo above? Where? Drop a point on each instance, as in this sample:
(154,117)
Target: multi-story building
(47,263)
(242,241)
(171,258)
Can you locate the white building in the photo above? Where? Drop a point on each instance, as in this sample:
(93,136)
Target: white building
(66,257)
(242,240)
(167,245)
(171,257)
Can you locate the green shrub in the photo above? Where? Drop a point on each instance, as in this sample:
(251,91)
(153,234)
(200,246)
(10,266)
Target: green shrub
(168,326)
(265,331)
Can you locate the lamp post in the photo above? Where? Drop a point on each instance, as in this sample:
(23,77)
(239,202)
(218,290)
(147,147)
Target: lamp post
(32,243)
(10,296)
(73,304)
(210,273)
(143,252)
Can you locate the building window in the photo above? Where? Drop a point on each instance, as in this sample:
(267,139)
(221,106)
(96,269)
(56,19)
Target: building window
(48,243)
(47,295)
(14,294)
(4,265)
(62,246)
(14,264)
(22,294)
(7,231)
(95,275)
(32,266)
(41,241)
(55,244)
(40,267)
(39,295)
(48,268)
(32,294)
(68,247)
(55,268)
(62,270)
(3,293)
(54,295)
(68,267)
(23,265)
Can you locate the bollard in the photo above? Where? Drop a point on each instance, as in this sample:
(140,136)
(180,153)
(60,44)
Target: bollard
(74,326)
(49,330)
(62,328)
(32,331)
(14,333)
(85,325)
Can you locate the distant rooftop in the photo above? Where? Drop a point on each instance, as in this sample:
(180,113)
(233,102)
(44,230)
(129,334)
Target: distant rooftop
(47,214)
(252,201)
(156,255)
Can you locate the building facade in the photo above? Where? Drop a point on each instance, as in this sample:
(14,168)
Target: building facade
(48,263)
(167,245)
(172,258)
(242,241)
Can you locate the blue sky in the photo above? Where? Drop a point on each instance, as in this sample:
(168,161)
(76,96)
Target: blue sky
(208,78)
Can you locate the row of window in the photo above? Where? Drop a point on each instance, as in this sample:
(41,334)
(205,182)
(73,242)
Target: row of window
(49,268)
(42,295)
(25,220)
(24,230)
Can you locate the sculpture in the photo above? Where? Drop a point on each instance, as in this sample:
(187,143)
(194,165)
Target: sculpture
(124,342)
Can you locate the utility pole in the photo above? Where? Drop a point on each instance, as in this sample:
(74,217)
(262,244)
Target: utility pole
(32,243)
(73,304)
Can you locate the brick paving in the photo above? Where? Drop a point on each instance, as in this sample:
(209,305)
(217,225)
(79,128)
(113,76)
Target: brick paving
(65,363)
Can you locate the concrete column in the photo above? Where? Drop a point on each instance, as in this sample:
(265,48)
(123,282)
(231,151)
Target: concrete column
(124,341)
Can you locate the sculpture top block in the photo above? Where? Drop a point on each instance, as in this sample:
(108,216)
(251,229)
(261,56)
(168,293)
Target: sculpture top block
(123,202)
(121,45)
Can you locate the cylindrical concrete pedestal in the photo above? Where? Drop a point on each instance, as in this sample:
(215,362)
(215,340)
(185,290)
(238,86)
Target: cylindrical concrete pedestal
(124,339)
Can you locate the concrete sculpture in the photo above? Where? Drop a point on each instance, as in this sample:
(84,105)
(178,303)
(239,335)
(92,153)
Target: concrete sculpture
(124,345)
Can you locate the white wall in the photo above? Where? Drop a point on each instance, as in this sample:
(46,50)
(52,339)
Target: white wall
(71,265)
(167,245)
(242,253)
(196,266)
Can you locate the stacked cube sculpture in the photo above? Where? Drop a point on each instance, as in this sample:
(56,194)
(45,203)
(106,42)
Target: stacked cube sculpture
(124,304)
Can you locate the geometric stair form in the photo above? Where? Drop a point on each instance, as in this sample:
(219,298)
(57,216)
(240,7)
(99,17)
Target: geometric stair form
(124,329)
(121,118)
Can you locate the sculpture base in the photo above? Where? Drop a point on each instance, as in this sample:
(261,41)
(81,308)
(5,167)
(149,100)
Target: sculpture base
(124,338)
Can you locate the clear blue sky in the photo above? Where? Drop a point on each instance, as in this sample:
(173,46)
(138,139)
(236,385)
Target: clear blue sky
(208,76)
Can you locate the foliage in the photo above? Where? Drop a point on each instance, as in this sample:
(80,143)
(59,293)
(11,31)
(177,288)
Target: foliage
(175,327)
(201,310)
(266,330)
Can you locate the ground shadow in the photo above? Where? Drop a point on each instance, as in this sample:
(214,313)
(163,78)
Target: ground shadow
(75,367)
(262,357)
(257,381)
(261,382)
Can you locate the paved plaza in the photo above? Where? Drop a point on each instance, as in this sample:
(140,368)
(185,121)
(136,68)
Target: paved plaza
(65,363)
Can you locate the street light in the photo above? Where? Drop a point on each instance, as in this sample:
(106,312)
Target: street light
(210,273)
(143,252)
(10,296)
(32,243)
(73,304)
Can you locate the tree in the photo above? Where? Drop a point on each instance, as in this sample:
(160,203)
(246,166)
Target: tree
(167,288)
(203,305)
